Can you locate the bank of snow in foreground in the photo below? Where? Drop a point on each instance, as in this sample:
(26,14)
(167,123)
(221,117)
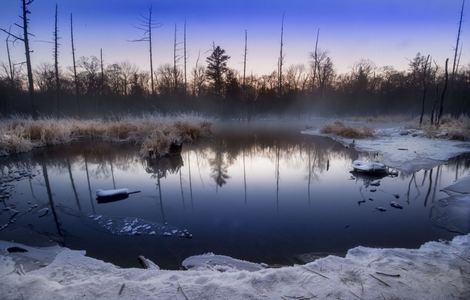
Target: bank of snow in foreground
(437,270)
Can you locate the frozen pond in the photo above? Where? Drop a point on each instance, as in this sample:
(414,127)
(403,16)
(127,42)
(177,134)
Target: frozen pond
(264,195)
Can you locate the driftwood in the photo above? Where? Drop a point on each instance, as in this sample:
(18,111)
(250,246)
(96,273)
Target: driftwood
(389,275)
(380,280)
(121,289)
(147,263)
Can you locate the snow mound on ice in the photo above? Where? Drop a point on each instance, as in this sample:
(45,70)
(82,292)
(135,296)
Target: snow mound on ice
(219,262)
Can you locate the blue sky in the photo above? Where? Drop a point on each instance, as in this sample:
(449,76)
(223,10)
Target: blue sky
(389,32)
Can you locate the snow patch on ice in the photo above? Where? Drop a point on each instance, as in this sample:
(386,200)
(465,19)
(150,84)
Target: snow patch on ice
(461,186)
(219,262)
(408,153)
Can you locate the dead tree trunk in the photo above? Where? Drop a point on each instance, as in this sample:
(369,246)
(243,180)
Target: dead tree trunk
(150,27)
(281,58)
(75,81)
(457,43)
(56,59)
(175,69)
(244,59)
(443,95)
(11,74)
(25,39)
(315,61)
(146,26)
(185,59)
(102,72)
(425,75)
(436,99)
(26,11)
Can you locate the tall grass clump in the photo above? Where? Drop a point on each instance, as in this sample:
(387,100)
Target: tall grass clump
(450,127)
(339,129)
(155,133)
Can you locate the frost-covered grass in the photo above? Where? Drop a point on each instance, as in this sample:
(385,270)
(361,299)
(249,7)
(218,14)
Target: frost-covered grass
(339,129)
(153,132)
(454,128)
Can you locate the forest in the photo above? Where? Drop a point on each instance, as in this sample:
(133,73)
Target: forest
(93,87)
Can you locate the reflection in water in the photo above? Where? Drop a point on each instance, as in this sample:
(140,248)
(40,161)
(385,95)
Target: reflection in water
(51,202)
(312,203)
(219,168)
(73,185)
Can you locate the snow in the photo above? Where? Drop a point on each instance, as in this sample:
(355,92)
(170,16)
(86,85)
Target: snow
(219,262)
(461,186)
(406,152)
(110,193)
(368,167)
(437,270)
(452,214)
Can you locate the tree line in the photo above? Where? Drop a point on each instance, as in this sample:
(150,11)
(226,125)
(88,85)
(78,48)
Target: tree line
(92,86)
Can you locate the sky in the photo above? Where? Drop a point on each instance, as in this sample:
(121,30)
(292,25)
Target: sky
(388,32)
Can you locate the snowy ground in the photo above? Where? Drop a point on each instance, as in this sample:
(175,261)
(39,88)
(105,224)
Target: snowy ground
(407,150)
(437,270)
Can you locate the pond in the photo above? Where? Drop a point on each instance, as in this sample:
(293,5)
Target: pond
(267,195)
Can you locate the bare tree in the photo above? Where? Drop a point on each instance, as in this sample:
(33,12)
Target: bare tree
(185,59)
(315,64)
(75,81)
(244,59)
(175,62)
(102,72)
(457,43)
(424,82)
(146,26)
(25,4)
(441,106)
(11,68)
(198,77)
(281,58)
(56,59)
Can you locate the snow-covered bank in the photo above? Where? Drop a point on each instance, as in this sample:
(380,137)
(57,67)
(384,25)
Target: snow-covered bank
(437,270)
(404,149)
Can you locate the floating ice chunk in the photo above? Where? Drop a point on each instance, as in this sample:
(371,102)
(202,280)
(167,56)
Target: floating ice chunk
(396,205)
(219,262)
(451,214)
(369,167)
(42,212)
(375,182)
(111,193)
(461,186)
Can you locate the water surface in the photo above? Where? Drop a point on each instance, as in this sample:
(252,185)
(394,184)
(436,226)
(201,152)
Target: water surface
(265,195)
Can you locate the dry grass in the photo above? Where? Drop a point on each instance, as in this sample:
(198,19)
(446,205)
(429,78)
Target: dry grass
(154,132)
(339,129)
(454,128)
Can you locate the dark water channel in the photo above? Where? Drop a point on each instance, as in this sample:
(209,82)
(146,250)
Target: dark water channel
(273,196)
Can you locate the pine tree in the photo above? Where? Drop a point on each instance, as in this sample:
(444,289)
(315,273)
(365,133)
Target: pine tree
(217,68)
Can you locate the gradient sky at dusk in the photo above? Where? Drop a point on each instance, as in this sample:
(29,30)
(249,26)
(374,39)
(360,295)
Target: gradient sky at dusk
(389,32)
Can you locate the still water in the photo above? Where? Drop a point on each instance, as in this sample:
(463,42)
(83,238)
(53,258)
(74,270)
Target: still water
(264,195)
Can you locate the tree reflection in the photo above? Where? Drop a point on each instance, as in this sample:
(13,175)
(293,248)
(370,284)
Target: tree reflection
(219,168)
